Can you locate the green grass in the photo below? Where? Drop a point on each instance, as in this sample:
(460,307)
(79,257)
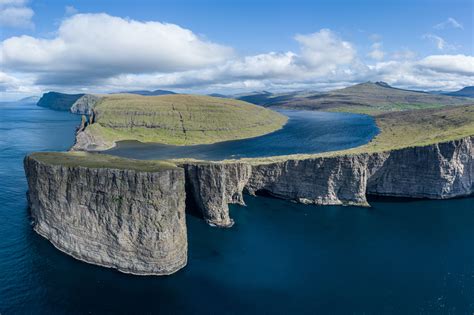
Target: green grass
(95,160)
(383,108)
(421,127)
(180,119)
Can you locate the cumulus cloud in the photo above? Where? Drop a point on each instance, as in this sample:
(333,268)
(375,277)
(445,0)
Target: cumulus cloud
(102,53)
(89,47)
(449,23)
(15,13)
(456,64)
(324,50)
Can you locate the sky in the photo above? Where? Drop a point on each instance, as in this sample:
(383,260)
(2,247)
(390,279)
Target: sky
(210,46)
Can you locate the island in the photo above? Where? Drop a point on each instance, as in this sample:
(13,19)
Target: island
(129,214)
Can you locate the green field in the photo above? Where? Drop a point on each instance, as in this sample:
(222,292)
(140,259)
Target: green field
(421,127)
(180,119)
(96,160)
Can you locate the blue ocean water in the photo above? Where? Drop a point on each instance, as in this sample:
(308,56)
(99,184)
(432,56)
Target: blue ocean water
(305,132)
(398,257)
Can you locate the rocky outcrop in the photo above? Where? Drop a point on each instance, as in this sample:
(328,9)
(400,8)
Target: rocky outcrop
(214,185)
(437,171)
(85,104)
(130,220)
(89,141)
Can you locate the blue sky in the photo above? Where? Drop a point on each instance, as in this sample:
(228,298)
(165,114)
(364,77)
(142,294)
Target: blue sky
(242,45)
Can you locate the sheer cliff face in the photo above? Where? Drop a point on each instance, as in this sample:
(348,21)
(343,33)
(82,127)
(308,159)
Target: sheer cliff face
(437,171)
(322,181)
(129,220)
(213,186)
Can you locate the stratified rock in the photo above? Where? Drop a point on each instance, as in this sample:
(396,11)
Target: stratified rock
(214,186)
(85,104)
(130,220)
(321,181)
(437,171)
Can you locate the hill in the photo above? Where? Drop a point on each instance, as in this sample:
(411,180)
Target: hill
(149,93)
(58,101)
(467,91)
(179,119)
(366,98)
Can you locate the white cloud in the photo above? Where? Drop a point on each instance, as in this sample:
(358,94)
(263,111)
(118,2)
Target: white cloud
(376,53)
(449,23)
(96,46)
(439,42)
(456,64)
(324,51)
(101,53)
(15,13)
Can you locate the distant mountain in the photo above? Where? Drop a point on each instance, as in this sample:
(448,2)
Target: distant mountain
(368,97)
(58,101)
(150,93)
(259,98)
(467,91)
(29,100)
(218,95)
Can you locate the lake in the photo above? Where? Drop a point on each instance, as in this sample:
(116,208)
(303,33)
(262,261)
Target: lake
(398,257)
(305,132)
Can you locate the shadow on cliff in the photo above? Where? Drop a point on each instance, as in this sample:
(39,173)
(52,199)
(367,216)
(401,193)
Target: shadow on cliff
(191,205)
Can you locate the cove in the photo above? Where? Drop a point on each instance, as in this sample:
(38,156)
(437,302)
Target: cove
(305,132)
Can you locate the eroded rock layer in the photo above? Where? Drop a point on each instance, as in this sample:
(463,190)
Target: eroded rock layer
(437,171)
(130,220)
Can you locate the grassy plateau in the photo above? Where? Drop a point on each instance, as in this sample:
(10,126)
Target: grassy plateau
(180,119)
(95,160)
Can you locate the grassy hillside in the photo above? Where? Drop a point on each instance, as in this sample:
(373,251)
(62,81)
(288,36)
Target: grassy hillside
(180,119)
(94,160)
(365,98)
(423,127)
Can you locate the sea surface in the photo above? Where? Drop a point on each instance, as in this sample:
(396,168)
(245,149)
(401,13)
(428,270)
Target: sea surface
(398,257)
(305,132)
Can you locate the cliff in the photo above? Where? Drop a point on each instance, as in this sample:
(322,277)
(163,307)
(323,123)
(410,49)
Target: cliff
(58,101)
(129,219)
(85,104)
(129,214)
(437,171)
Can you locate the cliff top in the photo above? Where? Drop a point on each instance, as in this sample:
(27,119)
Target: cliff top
(180,119)
(94,160)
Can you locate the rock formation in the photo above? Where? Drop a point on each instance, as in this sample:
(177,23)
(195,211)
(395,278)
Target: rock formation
(214,185)
(437,171)
(85,104)
(130,220)
(134,220)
